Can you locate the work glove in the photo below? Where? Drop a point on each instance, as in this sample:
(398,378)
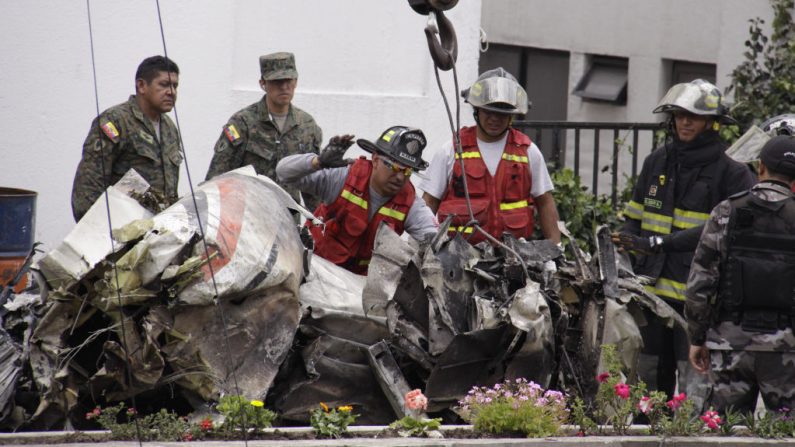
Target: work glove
(640,244)
(332,155)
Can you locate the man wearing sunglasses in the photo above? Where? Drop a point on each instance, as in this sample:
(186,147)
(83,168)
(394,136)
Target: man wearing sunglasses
(357,196)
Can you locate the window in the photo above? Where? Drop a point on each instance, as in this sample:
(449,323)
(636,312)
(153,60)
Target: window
(604,80)
(683,71)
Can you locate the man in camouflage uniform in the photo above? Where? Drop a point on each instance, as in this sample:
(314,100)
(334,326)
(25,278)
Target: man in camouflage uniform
(740,305)
(270,129)
(135,134)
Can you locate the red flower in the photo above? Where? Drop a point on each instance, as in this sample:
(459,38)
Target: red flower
(622,390)
(187,437)
(206,424)
(580,433)
(711,419)
(93,413)
(132,411)
(602,378)
(645,404)
(676,402)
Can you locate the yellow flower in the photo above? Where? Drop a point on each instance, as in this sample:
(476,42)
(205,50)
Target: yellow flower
(345,408)
(257,403)
(324,407)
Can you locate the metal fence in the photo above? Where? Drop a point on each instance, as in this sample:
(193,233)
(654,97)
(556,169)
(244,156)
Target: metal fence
(595,142)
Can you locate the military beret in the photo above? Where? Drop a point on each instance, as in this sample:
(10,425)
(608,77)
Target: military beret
(278,66)
(778,154)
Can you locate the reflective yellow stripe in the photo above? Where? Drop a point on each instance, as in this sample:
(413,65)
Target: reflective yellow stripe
(351,197)
(519,158)
(657,223)
(633,210)
(668,288)
(467,155)
(513,205)
(465,230)
(688,219)
(364,262)
(392,213)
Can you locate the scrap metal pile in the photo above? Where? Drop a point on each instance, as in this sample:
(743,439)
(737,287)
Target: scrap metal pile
(217,295)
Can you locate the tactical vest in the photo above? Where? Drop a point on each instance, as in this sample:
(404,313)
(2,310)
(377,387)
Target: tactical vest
(348,238)
(757,284)
(502,203)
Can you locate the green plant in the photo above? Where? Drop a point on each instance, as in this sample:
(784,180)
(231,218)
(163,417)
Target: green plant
(764,83)
(516,406)
(241,413)
(415,426)
(331,423)
(616,402)
(772,424)
(127,424)
(731,419)
(582,211)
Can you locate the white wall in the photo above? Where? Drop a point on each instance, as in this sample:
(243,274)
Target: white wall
(363,66)
(644,31)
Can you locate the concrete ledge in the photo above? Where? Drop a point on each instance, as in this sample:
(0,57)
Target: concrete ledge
(367,436)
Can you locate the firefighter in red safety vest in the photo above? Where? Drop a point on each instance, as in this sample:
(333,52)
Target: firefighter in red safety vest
(357,196)
(506,176)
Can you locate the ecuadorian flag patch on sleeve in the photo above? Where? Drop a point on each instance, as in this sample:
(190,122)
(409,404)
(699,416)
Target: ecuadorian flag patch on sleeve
(232,134)
(111,131)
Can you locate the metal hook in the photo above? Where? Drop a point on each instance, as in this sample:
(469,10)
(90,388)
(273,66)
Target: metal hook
(444,50)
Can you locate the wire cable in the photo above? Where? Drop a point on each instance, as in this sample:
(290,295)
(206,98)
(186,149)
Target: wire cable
(220,308)
(106,178)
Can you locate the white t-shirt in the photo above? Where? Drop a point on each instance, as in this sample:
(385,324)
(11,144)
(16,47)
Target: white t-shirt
(436,178)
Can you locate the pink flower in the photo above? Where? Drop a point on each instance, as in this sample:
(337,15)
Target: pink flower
(645,404)
(676,402)
(187,437)
(131,411)
(602,378)
(93,413)
(206,424)
(711,419)
(415,400)
(622,390)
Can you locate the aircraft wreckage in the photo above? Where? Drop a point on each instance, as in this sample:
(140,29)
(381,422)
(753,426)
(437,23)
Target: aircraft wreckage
(215,295)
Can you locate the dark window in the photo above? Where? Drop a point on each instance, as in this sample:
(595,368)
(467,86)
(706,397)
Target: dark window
(605,80)
(683,71)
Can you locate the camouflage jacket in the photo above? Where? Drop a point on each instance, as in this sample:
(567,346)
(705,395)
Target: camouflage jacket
(122,139)
(704,280)
(252,138)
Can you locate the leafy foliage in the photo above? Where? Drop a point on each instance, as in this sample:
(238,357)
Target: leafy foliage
(415,426)
(764,83)
(332,423)
(582,211)
(516,406)
(161,426)
(241,413)
(778,424)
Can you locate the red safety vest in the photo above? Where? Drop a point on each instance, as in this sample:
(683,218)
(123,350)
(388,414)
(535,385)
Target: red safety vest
(502,203)
(348,237)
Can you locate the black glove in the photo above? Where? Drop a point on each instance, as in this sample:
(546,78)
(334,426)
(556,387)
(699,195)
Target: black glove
(640,244)
(332,155)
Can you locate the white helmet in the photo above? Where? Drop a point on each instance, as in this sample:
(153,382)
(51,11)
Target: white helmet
(498,91)
(780,125)
(698,97)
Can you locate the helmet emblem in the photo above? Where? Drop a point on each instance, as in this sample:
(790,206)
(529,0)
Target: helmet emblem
(412,147)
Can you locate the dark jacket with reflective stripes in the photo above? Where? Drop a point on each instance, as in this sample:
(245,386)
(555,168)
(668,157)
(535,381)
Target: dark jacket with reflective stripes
(678,186)
(347,238)
(502,203)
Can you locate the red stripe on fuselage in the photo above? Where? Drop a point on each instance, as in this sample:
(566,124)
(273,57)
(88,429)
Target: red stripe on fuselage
(232,199)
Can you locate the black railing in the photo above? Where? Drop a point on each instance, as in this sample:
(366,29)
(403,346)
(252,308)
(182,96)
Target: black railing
(541,132)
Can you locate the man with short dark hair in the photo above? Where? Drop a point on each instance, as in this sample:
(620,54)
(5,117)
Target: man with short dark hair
(136,134)
(358,196)
(740,304)
(270,129)
(507,179)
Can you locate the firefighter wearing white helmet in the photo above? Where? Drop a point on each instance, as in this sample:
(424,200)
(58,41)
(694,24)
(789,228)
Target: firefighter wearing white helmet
(678,186)
(507,178)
